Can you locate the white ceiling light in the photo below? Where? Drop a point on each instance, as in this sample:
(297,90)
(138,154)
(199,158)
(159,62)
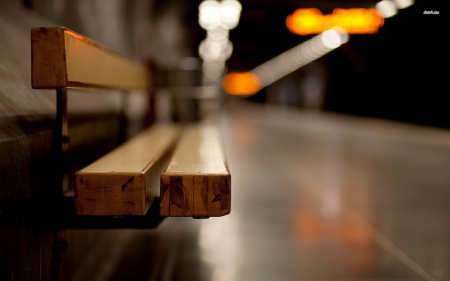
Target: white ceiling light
(402,4)
(386,8)
(230,13)
(218,34)
(211,50)
(331,39)
(209,14)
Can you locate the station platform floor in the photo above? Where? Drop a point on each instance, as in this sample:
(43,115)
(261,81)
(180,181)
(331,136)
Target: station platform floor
(315,196)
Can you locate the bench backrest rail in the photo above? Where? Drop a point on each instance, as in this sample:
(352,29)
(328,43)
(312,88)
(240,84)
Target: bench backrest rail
(62,58)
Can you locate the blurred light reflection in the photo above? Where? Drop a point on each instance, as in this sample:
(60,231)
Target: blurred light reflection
(189,63)
(353,21)
(249,83)
(209,14)
(230,13)
(386,8)
(217,18)
(220,247)
(402,4)
(331,39)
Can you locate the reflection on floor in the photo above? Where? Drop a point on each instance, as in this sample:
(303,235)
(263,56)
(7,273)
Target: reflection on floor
(315,197)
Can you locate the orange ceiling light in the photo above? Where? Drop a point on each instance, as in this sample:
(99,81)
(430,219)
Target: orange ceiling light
(354,21)
(244,84)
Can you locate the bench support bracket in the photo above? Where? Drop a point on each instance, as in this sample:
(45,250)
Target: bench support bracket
(62,136)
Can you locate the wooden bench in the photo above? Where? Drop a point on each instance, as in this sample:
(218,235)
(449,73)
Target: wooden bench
(126,181)
(197,181)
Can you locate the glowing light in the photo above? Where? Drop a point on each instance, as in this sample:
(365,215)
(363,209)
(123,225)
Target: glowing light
(217,18)
(386,8)
(218,34)
(344,35)
(402,4)
(209,14)
(189,63)
(210,50)
(353,21)
(300,55)
(331,39)
(230,12)
(249,83)
(214,14)
(245,83)
(213,70)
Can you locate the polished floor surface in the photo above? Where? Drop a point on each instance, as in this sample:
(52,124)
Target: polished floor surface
(315,196)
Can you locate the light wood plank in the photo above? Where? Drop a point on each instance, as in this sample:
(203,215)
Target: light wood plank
(62,58)
(201,197)
(125,181)
(197,179)
(214,197)
(164,196)
(181,196)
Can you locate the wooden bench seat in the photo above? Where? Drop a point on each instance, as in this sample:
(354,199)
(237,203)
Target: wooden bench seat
(197,181)
(126,180)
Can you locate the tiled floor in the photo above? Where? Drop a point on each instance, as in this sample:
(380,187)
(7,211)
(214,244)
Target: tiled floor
(314,197)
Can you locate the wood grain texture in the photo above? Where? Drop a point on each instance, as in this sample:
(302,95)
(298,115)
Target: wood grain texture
(62,58)
(48,58)
(197,181)
(125,181)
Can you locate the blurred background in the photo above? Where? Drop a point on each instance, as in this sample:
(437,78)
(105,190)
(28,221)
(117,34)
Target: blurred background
(396,73)
(339,149)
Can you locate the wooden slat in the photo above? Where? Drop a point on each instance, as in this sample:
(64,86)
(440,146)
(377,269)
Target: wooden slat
(125,181)
(197,181)
(62,58)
